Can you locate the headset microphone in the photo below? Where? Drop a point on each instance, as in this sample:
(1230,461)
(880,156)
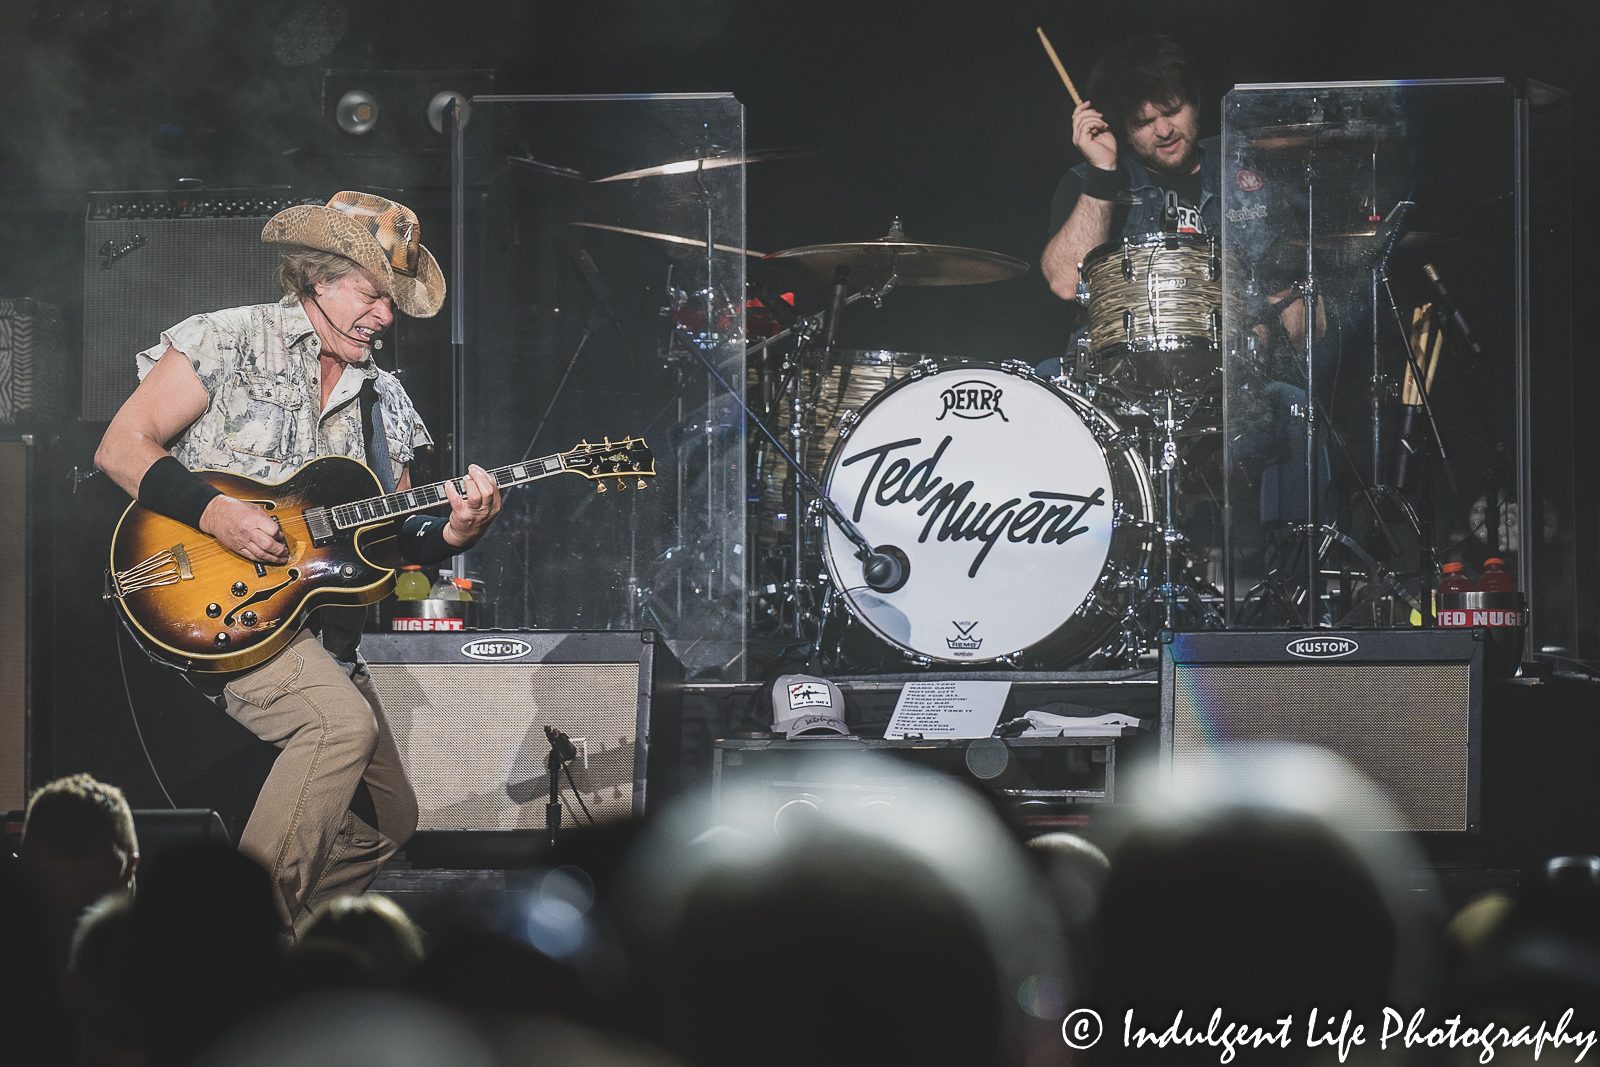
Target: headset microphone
(375,342)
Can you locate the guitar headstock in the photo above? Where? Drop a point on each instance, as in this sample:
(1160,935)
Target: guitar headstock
(624,459)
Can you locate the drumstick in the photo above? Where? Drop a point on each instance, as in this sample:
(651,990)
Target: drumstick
(1433,360)
(1410,396)
(1076,99)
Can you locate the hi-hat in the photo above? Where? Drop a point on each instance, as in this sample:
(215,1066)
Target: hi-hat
(910,262)
(670,238)
(689,166)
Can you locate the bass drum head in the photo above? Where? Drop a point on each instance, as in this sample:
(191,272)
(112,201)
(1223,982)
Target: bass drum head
(1019,525)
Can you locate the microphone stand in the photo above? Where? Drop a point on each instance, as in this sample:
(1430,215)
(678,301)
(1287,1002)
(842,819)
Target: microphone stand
(1425,556)
(864,549)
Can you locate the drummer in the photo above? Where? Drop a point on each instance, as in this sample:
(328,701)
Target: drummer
(1139,132)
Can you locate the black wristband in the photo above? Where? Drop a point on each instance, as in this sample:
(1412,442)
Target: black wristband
(422,540)
(1102,184)
(171,489)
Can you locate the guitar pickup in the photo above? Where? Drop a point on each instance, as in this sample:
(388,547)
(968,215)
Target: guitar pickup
(319,526)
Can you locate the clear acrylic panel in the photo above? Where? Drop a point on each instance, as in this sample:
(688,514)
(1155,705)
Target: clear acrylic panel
(1312,178)
(585,302)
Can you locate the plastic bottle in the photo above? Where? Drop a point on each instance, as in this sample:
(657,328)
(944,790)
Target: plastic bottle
(1495,579)
(412,584)
(445,587)
(464,588)
(1456,580)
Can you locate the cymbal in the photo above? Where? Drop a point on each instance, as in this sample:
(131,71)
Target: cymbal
(911,262)
(689,166)
(1409,239)
(671,238)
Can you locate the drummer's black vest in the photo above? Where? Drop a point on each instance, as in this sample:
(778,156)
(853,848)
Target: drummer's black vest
(1145,216)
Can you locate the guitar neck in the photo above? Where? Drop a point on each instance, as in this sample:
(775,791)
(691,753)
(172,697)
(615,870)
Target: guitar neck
(393,505)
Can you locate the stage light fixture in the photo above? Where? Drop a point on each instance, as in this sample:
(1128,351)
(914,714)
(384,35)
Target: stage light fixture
(440,101)
(357,112)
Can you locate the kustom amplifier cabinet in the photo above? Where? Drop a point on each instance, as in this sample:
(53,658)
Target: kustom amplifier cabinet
(1402,706)
(469,710)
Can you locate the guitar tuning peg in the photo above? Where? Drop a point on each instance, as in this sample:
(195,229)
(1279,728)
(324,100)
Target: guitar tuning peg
(642,484)
(599,487)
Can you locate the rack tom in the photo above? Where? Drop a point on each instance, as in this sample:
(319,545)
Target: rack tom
(1155,309)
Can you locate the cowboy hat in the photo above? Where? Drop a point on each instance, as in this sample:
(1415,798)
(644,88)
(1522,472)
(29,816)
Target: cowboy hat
(380,235)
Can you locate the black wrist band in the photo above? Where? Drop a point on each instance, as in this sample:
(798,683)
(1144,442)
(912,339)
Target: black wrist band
(1102,184)
(422,540)
(171,489)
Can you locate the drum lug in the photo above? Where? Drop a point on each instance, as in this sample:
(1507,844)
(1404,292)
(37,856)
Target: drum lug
(1127,260)
(923,368)
(1083,289)
(1127,324)
(847,422)
(1016,366)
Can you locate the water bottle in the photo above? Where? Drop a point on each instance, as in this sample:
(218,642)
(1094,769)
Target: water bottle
(445,587)
(412,584)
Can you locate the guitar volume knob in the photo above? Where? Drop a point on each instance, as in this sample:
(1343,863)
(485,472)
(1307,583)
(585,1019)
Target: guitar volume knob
(223,640)
(240,589)
(213,610)
(249,618)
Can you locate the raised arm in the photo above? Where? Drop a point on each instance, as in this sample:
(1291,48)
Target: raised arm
(1089,225)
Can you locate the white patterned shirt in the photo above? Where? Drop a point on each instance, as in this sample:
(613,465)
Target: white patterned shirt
(266,420)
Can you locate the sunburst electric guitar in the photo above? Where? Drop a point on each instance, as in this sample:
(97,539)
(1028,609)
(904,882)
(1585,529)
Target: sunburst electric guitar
(197,605)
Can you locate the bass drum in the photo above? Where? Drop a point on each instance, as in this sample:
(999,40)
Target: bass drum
(1021,510)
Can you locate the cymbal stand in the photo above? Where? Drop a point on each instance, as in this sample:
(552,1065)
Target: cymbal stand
(1168,466)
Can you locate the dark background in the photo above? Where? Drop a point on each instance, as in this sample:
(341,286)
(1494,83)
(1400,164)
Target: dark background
(945,114)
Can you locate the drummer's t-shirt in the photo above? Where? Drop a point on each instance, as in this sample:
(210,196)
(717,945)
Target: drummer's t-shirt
(1190,190)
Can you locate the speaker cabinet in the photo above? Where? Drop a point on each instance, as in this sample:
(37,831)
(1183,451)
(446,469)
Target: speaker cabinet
(151,260)
(1402,706)
(469,710)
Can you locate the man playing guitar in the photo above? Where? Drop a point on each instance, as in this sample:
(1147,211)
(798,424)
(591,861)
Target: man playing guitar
(260,392)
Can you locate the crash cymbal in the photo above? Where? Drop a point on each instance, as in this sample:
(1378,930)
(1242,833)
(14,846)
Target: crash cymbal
(1409,239)
(911,262)
(689,166)
(670,238)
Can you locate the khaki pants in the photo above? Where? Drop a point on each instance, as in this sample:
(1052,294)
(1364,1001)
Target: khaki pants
(334,737)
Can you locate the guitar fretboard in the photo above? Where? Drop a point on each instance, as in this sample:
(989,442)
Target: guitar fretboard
(362,512)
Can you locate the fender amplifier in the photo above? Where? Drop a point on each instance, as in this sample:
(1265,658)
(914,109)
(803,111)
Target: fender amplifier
(1402,706)
(468,710)
(151,260)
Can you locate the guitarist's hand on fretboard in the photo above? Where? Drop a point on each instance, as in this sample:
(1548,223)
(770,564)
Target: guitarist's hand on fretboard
(471,514)
(246,529)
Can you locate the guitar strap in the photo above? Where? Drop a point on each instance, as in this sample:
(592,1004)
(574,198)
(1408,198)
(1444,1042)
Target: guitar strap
(373,435)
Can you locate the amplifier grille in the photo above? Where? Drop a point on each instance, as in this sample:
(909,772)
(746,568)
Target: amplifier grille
(471,736)
(182,267)
(1405,725)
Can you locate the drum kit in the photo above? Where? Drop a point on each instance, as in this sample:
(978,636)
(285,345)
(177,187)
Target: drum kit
(910,510)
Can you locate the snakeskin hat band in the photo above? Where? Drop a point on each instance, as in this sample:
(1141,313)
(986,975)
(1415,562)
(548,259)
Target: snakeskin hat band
(382,236)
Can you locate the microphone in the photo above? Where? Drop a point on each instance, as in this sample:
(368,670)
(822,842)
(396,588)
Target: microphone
(1388,235)
(885,568)
(841,278)
(375,342)
(602,293)
(1448,306)
(561,745)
